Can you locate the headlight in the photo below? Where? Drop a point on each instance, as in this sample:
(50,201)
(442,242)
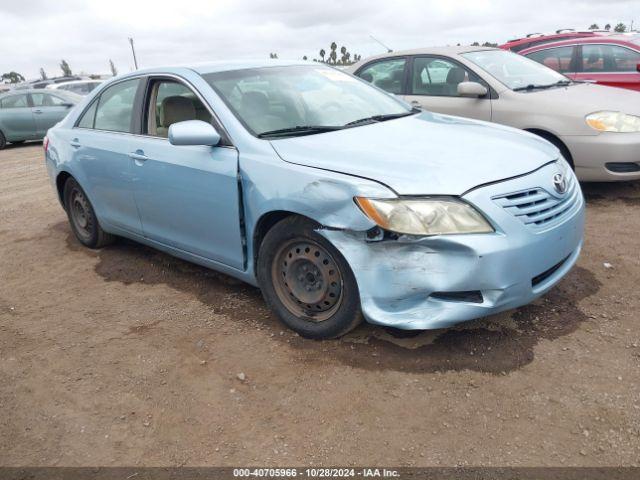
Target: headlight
(613,122)
(424,216)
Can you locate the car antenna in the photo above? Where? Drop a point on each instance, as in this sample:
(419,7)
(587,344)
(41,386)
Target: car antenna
(378,41)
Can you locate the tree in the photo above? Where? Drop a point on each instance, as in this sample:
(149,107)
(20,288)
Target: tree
(66,69)
(43,74)
(489,44)
(114,70)
(333,56)
(322,54)
(607,27)
(304,58)
(594,26)
(620,28)
(273,55)
(475,44)
(12,77)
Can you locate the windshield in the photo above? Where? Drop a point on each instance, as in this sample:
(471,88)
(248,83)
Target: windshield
(515,71)
(301,99)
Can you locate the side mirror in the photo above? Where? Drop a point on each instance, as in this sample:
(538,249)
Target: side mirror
(193,132)
(638,67)
(471,89)
(68,105)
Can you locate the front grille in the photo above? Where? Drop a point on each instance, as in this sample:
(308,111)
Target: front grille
(538,279)
(537,207)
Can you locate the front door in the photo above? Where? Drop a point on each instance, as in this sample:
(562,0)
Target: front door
(433,85)
(16,118)
(612,65)
(187,196)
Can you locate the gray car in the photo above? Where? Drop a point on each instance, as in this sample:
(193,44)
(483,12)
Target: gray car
(28,114)
(596,128)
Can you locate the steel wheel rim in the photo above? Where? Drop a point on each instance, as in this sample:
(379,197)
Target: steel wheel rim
(307,280)
(80,211)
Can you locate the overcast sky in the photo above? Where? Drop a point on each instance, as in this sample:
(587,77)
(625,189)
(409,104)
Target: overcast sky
(87,33)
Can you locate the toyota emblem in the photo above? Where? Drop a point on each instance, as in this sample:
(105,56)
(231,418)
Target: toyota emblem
(560,183)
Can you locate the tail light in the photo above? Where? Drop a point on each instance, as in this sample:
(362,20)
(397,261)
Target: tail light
(45,144)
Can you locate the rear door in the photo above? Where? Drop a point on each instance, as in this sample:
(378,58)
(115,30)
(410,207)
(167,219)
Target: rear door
(561,59)
(102,143)
(433,85)
(608,64)
(188,196)
(16,118)
(48,109)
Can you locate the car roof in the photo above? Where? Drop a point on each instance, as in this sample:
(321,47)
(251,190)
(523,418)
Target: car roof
(630,40)
(24,91)
(446,51)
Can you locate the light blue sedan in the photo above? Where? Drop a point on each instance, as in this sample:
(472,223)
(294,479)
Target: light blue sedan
(339,201)
(28,114)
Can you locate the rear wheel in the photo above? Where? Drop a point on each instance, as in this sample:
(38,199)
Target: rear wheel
(307,282)
(82,217)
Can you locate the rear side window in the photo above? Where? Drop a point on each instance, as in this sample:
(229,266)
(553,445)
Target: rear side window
(115,107)
(387,74)
(558,59)
(14,101)
(47,100)
(609,58)
(87,119)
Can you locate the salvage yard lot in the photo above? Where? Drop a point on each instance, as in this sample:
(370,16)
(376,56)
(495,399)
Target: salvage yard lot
(127,356)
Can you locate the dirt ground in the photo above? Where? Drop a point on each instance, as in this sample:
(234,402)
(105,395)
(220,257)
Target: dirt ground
(127,356)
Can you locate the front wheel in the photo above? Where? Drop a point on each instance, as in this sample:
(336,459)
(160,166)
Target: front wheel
(307,282)
(82,217)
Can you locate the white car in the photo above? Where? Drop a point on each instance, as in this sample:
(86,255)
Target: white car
(79,87)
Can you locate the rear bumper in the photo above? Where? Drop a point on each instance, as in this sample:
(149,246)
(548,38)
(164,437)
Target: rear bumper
(592,153)
(397,279)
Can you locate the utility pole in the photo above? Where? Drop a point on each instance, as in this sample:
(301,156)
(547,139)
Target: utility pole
(378,41)
(133,50)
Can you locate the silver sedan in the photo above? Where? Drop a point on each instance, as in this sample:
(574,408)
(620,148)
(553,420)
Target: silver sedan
(596,128)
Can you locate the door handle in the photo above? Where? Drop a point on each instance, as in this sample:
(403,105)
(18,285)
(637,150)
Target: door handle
(75,143)
(138,156)
(38,111)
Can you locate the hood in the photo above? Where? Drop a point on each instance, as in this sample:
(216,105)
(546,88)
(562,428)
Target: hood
(424,154)
(584,98)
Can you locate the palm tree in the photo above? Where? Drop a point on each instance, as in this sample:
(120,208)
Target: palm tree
(322,54)
(607,27)
(333,56)
(43,74)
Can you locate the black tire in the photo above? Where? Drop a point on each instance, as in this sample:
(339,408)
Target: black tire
(313,291)
(3,141)
(82,217)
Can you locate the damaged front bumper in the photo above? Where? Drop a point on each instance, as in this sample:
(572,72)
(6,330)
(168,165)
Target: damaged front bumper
(436,282)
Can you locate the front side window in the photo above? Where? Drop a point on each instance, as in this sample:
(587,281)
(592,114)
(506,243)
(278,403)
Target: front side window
(513,70)
(609,58)
(558,59)
(171,102)
(272,98)
(439,77)
(387,74)
(14,101)
(115,107)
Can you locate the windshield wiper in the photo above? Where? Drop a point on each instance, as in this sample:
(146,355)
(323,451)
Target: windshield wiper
(300,130)
(559,83)
(382,118)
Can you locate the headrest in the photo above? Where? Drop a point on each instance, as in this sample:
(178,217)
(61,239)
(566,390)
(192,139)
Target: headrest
(176,109)
(455,75)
